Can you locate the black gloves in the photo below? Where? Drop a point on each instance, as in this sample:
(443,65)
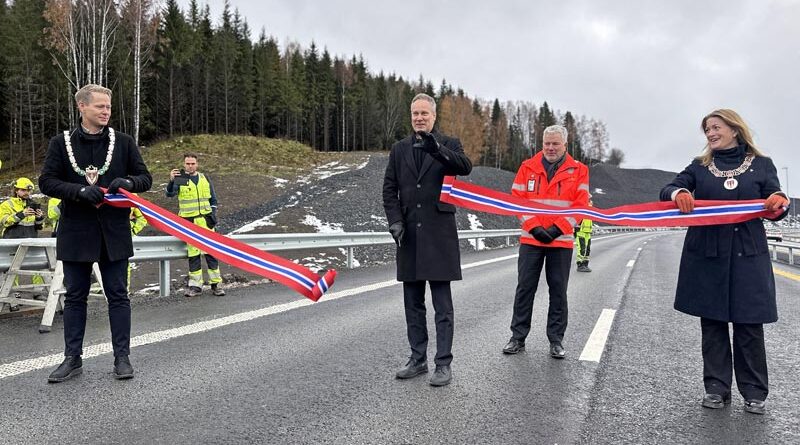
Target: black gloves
(120,183)
(554,231)
(541,235)
(546,236)
(426,142)
(211,220)
(91,194)
(20,215)
(398,231)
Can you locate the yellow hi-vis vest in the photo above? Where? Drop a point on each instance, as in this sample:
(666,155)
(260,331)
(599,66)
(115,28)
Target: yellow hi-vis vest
(194,200)
(586,226)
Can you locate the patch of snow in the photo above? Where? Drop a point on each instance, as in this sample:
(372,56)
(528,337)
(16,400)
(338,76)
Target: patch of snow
(341,192)
(322,227)
(263,222)
(475,224)
(280,182)
(380,219)
(599,191)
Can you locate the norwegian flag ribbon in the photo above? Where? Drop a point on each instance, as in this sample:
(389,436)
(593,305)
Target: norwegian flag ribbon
(651,214)
(231,251)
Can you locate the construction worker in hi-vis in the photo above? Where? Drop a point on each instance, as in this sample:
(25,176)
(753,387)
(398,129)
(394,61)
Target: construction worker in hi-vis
(197,203)
(21,217)
(583,244)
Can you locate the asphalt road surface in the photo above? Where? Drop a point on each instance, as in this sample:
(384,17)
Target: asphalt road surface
(262,365)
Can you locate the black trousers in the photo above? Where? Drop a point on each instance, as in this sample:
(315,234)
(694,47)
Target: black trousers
(196,262)
(749,359)
(416,324)
(77,280)
(556,262)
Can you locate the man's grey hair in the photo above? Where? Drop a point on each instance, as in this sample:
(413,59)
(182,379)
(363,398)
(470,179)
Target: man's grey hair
(556,129)
(426,98)
(85,94)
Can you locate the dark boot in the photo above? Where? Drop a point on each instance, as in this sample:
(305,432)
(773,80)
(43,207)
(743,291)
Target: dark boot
(514,346)
(122,368)
(412,369)
(557,351)
(442,376)
(193,291)
(215,289)
(69,368)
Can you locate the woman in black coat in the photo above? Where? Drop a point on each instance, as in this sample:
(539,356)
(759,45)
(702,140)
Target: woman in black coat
(726,271)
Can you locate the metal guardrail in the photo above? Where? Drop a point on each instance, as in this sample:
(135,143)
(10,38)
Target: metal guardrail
(166,248)
(776,251)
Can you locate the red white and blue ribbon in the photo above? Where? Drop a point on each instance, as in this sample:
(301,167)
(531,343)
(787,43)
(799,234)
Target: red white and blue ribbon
(228,250)
(651,214)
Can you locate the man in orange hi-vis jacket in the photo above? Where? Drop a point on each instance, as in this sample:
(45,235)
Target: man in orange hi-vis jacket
(554,178)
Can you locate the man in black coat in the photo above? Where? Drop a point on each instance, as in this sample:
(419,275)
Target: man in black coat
(425,232)
(78,163)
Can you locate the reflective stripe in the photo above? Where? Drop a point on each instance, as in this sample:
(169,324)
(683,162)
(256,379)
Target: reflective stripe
(553,202)
(564,237)
(196,279)
(214,276)
(583,187)
(572,221)
(518,187)
(525,217)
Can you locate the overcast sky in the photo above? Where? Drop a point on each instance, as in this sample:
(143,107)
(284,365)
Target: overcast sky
(651,70)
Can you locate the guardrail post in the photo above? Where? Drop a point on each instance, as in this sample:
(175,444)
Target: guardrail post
(775,253)
(350,257)
(163,278)
(508,241)
(791,256)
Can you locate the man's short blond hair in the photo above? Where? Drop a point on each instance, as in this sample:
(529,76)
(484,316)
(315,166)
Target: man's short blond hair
(85,94)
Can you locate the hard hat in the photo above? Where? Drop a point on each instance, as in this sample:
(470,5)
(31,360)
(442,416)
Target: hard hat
(23,183)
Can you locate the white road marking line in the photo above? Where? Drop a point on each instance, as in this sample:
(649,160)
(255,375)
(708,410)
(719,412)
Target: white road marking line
(47,361)
(597,339)
(630,263)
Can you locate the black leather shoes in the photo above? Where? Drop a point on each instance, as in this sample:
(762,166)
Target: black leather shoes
(755,406)
(556,350)
(442,376)
(412,369)
(122,368)
(514,346)
(716,401)
(69,368)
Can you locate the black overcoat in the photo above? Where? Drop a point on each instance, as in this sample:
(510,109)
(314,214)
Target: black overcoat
(726,271)
(83,228)
(429,250)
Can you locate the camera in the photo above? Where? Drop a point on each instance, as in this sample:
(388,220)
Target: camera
(34,205)
(182,179)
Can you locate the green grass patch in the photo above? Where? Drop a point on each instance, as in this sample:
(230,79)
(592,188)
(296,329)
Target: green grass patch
(233,154)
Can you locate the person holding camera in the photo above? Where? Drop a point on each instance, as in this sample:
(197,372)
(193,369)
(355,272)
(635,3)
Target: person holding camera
(197,202)
(425,232)
(79,165)
(551,177)
(21,217)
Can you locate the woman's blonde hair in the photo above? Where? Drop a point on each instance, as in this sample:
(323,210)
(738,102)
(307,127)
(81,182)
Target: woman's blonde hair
(743,133)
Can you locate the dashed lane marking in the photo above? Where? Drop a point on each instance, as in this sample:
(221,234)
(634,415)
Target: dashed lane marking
(594,347)
(47,361)
(630,263)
